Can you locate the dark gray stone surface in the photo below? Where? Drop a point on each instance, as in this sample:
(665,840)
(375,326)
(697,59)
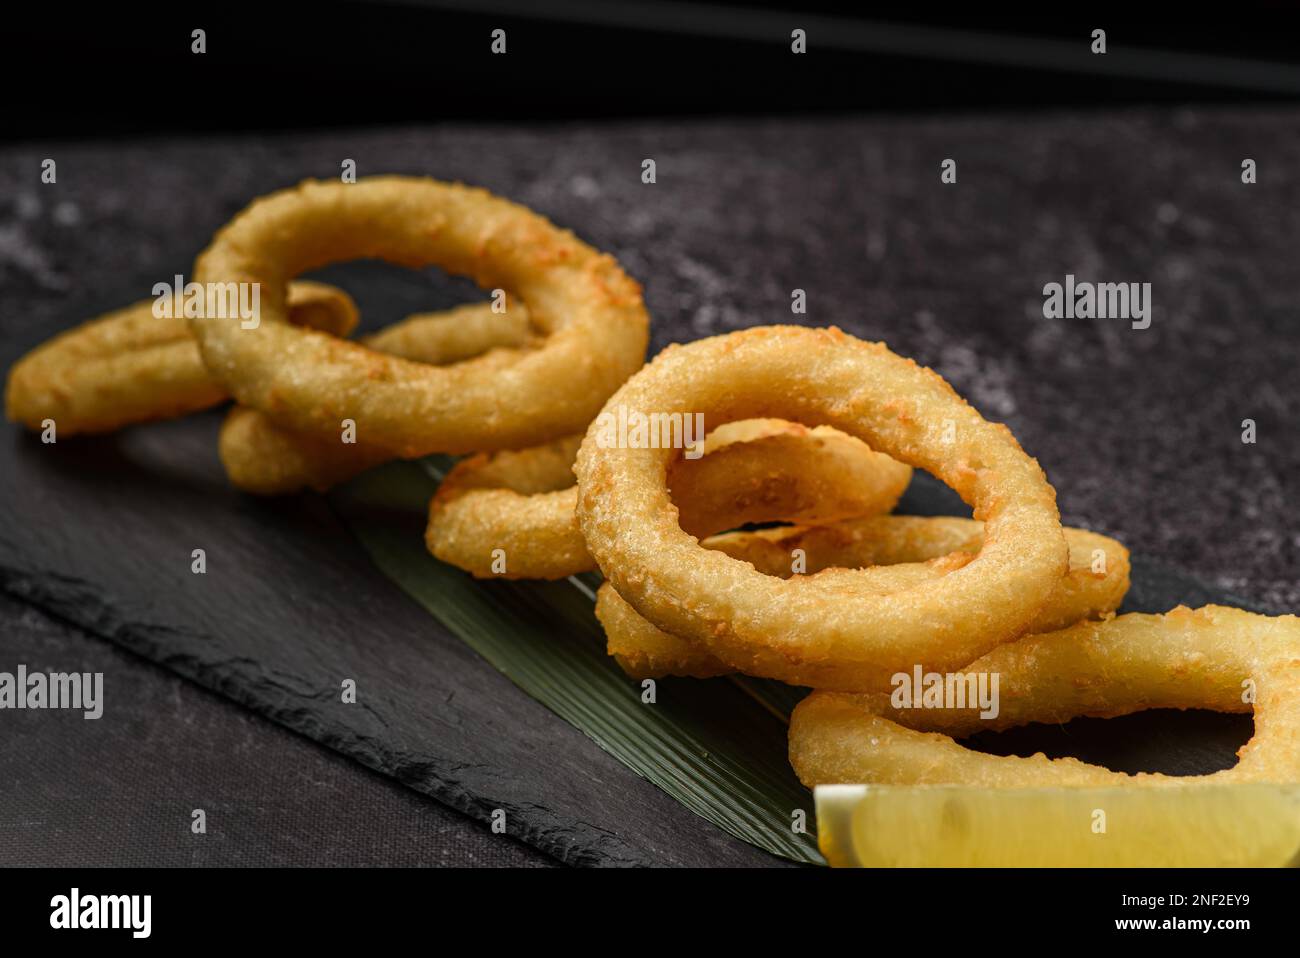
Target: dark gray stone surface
(101,533)
(120,790)
(1138,429)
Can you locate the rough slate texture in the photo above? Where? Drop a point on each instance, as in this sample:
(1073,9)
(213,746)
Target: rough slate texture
(1138,430)
(119,791)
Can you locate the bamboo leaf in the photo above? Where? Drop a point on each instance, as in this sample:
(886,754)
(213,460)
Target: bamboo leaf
(717,746)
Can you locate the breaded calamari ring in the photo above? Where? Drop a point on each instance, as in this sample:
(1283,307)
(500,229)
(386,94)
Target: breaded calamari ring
(645,652)
(1205,658)
(810,631)
(1095,582)
(764,470)
(265,458)
(901,551)
(458,334)
(130,366)
(595,323)
(522,503)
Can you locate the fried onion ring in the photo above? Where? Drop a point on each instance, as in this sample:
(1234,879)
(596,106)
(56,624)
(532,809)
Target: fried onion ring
(813,630)
(130,366)
(764,470)
(645,652)
(901,551)
(457,335)
(268,459)
(1203,658)
(595,322)
(751,471)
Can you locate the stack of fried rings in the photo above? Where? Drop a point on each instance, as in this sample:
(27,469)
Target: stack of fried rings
(811,427)
(1000,602)
(1071,641)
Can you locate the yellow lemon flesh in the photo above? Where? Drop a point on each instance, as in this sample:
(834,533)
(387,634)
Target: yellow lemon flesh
(1231,825)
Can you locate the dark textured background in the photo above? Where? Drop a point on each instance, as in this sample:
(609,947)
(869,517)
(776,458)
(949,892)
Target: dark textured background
(1138,430)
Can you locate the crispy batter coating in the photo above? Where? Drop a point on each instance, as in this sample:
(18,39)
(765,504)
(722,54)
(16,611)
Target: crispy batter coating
(766,470)
(129,366)
(901,551)
(1205,658)
(751,471)
(817,630)
(459,334)
(520,502)
(645,652)
(265,458)
(592,314)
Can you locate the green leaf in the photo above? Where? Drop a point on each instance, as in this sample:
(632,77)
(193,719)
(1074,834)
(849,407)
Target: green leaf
(717,746)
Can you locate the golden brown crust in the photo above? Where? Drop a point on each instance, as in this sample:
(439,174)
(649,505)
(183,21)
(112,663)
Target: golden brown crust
(1205,658)
(898,552)
(595,323)
(520,505)
(265,458)
(813,630)
(130,366)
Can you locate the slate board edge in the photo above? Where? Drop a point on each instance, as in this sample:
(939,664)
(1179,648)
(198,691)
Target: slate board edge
(80,603)
(571,843)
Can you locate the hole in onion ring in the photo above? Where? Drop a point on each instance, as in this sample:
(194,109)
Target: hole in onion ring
(1167,741)
(386,293)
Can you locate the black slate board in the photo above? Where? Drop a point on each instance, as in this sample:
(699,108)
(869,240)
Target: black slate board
(101,532)
(1138,432)
(119,792)
(289,607)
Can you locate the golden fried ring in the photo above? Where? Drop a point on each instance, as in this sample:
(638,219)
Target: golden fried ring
(764,470)
(1208,658)
(902,551)
(595,322)
(810,630)
(457,335)
(522,503)
(265,458)
(519,502)
(645,652)
(129,366)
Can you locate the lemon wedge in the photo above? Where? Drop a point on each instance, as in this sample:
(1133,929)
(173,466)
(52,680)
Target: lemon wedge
(1195,825)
